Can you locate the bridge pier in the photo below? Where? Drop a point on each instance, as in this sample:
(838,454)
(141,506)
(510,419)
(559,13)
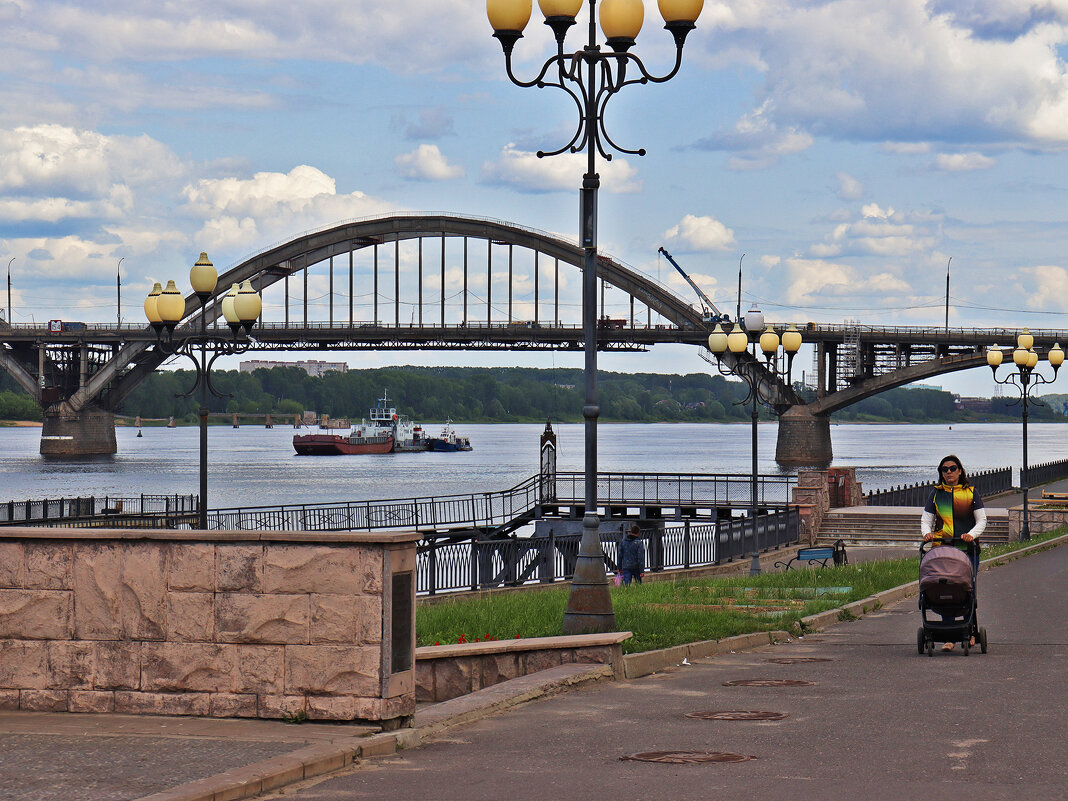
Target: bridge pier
(804,438)
(88,432)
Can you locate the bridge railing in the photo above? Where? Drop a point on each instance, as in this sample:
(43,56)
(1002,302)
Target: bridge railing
(445,564)
(677,489)
(107,508)
(987,482)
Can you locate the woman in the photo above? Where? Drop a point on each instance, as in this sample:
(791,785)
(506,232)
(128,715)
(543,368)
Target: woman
(954,508)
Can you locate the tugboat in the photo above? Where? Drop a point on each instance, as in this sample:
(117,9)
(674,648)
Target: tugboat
(385,432)
(449,441)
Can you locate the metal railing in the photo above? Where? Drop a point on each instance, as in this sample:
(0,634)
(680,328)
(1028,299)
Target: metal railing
(987,482)
(677,489)
(107,508)
(446,564)
(1045,473)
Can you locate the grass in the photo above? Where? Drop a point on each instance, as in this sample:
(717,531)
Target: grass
(666,613)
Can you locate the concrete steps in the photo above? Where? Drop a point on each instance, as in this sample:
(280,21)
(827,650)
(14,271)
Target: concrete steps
(882,525)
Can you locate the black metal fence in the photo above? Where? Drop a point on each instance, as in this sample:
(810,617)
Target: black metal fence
(445,564)
(107,508)
(1045,473)
(987,482)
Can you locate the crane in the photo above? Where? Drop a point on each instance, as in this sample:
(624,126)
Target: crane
(709,313)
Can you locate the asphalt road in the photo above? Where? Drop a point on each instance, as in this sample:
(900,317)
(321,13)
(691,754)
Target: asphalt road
(878,721)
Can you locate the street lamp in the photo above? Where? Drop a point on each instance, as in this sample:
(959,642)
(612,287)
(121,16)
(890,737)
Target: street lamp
(737,342)
(591,77)
(1024,379)
(165,307)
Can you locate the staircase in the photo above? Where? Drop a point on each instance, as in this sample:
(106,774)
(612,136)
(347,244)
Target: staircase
(893,525)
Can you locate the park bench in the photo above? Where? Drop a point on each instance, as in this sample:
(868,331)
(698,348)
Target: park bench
(1050,495)
(821,554)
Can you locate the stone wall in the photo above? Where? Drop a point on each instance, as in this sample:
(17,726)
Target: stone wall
(226,624)
(1039,520)
(449,671)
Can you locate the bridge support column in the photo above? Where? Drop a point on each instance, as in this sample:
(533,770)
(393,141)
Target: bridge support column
(804,438)
(88,432)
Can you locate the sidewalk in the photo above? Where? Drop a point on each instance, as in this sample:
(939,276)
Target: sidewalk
(874,724)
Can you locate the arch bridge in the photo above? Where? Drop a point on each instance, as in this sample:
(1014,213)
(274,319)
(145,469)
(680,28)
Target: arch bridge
(414,282)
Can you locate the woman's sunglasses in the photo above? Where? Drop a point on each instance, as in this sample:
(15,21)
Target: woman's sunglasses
(949,468)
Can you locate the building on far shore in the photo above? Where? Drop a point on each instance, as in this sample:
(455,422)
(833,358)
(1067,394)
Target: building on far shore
(313,368)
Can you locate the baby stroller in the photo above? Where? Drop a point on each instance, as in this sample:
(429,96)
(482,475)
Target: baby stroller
(947,590)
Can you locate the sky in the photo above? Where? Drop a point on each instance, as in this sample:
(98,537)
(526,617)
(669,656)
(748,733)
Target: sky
(849,149)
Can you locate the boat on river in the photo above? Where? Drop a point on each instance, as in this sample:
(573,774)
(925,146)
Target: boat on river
(449,441)
(384,432)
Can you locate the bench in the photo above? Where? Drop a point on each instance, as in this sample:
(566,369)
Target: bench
(822,553)
(1049,495)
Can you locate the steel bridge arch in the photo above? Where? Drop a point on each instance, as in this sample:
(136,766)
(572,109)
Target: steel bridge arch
(136,360)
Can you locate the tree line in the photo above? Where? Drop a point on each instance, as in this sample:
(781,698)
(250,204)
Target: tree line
(503,394)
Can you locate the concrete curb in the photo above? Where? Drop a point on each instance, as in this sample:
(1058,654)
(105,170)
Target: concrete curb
(647,662)
(858,609)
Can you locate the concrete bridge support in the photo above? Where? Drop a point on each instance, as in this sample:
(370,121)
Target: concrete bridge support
(87,432)
(804,438)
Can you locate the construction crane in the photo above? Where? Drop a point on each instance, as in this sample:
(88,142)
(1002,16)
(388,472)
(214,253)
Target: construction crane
(709,313)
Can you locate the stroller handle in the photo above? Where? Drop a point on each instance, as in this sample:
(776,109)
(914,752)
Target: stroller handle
(945,539)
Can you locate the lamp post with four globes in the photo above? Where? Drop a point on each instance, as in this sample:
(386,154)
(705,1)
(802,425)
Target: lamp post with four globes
(165,308)
(737,342)
(591,77)
(1024,380)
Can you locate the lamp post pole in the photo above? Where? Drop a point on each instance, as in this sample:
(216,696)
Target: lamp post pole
(738,342)
(591,77)
(1024,380)
(164,308)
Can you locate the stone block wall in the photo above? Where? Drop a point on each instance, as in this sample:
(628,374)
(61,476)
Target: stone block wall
(203,623)
(1039,520)
(449,671)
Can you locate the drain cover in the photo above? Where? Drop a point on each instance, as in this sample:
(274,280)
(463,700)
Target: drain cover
(768,683)
(798,660)
(687,757)
(744,715)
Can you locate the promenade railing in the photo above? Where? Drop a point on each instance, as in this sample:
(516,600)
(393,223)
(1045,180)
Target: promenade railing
(107,508)
(1046,473)
(986,482)
(445,564)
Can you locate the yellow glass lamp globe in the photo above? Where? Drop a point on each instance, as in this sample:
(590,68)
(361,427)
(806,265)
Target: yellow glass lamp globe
(737,340)
(170,305)
(150,304)
(994,356)
(680,10)
(560,8)
(1032,358)
(622,19)
(228,305)
(1056,355)
(1019,357)
(508,15)
(1025,340)
(247,304)
(717,340)
(791,339)
(769,341)
(203,276)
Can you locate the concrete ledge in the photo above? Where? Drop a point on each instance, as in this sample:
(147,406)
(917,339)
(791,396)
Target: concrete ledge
(642,664)
(528,644)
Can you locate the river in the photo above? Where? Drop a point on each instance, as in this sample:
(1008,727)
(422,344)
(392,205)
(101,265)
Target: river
(253,466)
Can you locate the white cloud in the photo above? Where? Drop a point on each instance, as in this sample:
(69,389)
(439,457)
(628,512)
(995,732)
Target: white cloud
(963,162)
(426,163)
(1050,287)
(849,188)
(700,234)
(809,280)
(524,171)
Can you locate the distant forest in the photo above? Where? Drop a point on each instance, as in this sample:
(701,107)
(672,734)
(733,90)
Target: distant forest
(505,395)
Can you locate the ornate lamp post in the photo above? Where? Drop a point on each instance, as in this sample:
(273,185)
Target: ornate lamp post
(591,77)
(737,342)
(164,308)
(1024,380)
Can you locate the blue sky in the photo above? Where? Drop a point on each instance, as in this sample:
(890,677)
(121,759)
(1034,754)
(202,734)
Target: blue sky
(848,148)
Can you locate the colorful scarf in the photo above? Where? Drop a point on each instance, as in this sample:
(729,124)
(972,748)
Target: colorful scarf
(954,501)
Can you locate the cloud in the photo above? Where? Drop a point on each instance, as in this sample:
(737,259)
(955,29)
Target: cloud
(849,188)
(1050,286)
(523,170)
(426,163)
(431,123)
(757,141)
(695,234)
(810,280)
(963,162)
(243,212)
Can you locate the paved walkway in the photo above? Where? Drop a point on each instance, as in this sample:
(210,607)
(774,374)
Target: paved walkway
(878,721)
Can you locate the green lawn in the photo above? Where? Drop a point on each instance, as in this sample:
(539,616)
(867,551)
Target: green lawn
(666,613)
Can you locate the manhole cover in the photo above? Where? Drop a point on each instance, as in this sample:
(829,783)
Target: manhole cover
(768,683)
(743,715)
(687,757)
(798,660)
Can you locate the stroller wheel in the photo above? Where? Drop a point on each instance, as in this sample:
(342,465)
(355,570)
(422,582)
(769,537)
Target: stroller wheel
(982,640)
(964,647)
(921,640)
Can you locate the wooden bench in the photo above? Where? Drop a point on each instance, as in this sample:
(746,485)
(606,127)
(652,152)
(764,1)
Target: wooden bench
(1049,495)
(836,553)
